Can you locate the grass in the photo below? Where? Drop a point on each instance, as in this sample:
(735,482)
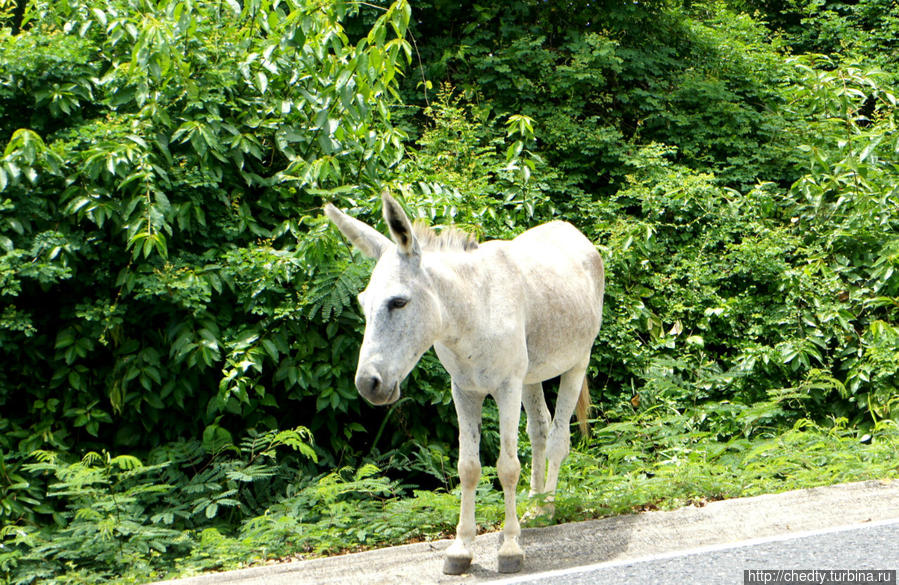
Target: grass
(654,459)
(647,463)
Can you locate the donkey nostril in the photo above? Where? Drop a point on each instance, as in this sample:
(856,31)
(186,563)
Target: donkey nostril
(368,383)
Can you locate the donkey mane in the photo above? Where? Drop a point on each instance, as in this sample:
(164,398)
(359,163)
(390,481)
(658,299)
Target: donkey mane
(448,238)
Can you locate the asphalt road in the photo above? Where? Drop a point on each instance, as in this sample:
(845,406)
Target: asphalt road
(822,557)
(704,545)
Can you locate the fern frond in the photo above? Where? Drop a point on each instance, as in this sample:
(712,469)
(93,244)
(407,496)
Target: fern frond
(126,462)
(333,289)
(92,458)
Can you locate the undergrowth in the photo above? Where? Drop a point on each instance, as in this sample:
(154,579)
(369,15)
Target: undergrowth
(120,525)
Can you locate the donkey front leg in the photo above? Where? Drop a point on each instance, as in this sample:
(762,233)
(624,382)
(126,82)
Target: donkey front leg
(468,410)
(508,468)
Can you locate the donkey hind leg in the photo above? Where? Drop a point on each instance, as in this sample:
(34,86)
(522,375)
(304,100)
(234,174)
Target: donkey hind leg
(508,468)
(538,428)
(559,441)
(468,410)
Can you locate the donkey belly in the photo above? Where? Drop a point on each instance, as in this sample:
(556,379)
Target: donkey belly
(558,351)
(564,284)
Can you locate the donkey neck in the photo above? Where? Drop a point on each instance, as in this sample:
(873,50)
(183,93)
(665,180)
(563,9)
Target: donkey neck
(482,340)
(446,271)
(476,291)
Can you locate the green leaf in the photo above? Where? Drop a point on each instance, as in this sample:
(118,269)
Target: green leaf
(216,439)
(261,81)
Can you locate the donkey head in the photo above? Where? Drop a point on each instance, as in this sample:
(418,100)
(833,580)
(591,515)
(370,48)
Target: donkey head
(401,308)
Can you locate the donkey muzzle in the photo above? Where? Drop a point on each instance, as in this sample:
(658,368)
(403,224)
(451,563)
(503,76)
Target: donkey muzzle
(373,388)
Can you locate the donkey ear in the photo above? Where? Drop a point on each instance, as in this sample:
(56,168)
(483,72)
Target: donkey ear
(400,226)
(367,239)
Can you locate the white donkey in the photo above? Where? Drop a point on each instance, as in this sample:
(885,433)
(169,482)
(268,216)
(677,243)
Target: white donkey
(503,316)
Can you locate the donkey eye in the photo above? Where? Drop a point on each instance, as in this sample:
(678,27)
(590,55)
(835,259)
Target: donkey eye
(397,303)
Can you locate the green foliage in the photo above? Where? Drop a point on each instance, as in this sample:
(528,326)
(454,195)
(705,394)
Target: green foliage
(865,27)
(160,251)
(168,287)
(845,206)
(115,515)
(597,77)
(661,460)
(349,508)
(475,172)
(803,274)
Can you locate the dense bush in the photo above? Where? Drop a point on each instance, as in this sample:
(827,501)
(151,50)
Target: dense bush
(601,77)
(744,197)
(169,290)
(116,515)
(163,266)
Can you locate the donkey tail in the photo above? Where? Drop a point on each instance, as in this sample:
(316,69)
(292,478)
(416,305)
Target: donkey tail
(583,406)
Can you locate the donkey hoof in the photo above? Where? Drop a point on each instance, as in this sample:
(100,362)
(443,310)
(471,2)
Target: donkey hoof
(453,565)
(509,563)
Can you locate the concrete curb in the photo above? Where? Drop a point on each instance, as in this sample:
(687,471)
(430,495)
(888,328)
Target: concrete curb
(594,541)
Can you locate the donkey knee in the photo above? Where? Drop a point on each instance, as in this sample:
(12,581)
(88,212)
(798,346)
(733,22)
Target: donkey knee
(508,468)
(469,472)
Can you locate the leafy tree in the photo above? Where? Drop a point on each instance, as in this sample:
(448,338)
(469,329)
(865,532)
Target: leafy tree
(162,265)
(864,28)
(598,77)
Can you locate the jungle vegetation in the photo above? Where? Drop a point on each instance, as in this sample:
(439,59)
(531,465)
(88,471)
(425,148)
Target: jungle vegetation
(178,325)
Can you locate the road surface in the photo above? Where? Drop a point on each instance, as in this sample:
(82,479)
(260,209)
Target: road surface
(846,554)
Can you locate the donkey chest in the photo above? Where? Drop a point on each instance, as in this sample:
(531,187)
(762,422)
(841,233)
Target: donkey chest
(482,368)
